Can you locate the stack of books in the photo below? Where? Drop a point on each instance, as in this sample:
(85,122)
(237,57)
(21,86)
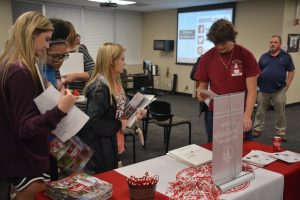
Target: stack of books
(79,186)
(191,155)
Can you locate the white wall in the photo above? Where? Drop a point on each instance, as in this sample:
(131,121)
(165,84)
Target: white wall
(6,21)
(97,27)
(288,27)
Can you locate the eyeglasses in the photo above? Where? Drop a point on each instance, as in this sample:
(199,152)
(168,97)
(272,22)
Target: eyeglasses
(59,57)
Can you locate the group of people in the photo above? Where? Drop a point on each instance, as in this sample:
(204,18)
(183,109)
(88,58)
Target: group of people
(229,68)
(29,63)
(37,48)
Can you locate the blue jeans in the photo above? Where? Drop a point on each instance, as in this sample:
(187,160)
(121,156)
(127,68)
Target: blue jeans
(208,121)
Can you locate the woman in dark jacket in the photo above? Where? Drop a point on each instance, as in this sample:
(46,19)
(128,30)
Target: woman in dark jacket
(101,91)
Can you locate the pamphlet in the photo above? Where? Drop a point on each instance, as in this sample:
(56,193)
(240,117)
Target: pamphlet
(259,158)
(70,124)
(138,101)
(287,156)
(79,186)
(192,155)
(73,154)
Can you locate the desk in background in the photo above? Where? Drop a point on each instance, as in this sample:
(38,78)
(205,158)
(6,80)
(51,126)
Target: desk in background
(138,81)
(290,172)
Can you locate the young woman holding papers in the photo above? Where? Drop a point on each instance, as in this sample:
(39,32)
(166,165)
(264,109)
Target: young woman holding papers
(103,91)
(24,158)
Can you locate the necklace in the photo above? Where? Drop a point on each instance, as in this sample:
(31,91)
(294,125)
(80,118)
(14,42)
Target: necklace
(226,65)
(118,91)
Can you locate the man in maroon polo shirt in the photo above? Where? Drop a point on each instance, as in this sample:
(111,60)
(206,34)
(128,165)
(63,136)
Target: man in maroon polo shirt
(227,68)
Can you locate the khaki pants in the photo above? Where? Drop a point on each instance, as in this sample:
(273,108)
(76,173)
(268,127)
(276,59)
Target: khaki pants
(279,101)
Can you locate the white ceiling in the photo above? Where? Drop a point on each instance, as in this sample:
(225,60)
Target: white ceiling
(141,5)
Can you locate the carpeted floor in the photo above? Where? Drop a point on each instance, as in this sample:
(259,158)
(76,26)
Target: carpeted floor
(187,107)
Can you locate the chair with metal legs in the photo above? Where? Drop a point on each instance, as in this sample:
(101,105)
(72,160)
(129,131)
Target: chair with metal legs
(161,113)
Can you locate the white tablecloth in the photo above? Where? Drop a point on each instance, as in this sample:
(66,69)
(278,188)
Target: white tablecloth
(267,185)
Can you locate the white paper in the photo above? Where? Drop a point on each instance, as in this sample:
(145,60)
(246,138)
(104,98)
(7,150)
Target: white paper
(40,76)
(287,156)
(259,158)
(209,93)
(74,64)
(193,155)
(71,123)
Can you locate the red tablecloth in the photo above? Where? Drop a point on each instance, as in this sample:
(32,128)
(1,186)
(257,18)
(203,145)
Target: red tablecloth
(291,174)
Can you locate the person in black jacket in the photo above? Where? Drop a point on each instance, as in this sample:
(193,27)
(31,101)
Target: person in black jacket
(102,92)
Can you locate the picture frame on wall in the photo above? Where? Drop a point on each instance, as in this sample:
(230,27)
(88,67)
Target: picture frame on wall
(293,42)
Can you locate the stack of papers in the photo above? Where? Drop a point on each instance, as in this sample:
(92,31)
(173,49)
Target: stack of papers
(192,155)
(79,186)
(287,156)
(259,158)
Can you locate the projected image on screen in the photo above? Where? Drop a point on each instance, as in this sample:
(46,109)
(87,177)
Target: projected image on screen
(193,25)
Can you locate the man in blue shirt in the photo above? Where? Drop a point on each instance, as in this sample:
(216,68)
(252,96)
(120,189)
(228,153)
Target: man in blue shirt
(277,72)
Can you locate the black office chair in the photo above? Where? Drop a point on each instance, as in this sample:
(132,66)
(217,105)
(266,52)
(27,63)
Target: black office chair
(162,116)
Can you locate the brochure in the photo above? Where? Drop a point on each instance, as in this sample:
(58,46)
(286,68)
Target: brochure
(259,158)
(138,101)
(192,155)
(287,156)
(79,186)
(73,154)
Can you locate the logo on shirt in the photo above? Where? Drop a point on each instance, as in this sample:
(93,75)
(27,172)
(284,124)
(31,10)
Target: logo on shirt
(236,68)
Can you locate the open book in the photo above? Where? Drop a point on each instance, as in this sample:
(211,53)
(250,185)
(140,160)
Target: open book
(138,101)
(258,158)
(192,155)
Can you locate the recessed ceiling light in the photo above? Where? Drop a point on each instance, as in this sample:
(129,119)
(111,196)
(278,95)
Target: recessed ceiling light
(120,2)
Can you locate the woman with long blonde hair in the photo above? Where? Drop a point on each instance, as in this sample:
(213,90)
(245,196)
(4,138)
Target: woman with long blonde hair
(105,105)
(24,130)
